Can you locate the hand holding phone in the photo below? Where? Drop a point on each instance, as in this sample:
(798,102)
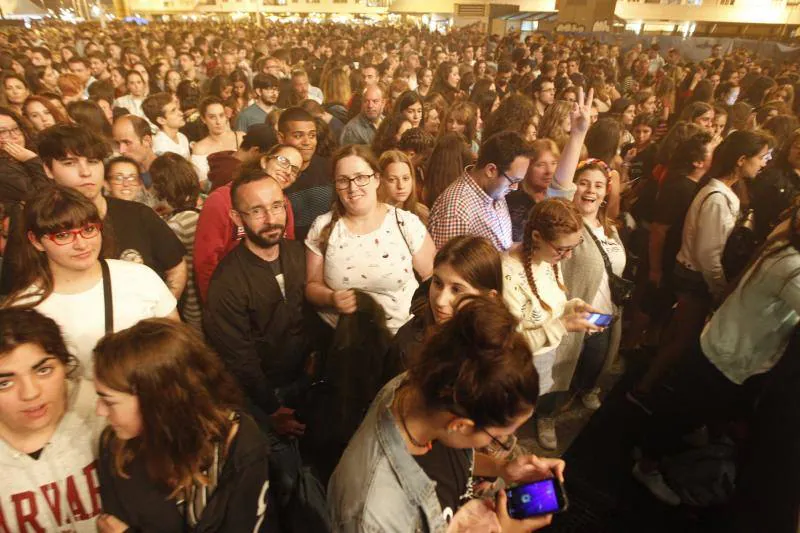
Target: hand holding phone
(540,498)
(600,319)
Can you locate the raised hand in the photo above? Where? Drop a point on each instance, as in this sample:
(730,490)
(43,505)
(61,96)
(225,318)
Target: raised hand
(580,117)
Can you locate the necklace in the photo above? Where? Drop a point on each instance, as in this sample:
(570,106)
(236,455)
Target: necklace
(414,441)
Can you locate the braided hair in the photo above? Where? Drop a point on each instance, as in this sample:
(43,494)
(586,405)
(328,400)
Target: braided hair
(551,218)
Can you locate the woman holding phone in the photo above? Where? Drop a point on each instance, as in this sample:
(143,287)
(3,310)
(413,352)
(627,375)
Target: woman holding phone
(472,384)
(534,291)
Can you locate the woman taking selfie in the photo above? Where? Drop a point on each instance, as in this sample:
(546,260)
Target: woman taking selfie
(179,455)
(472,384)
(48,429)
(62,277)
(364,244)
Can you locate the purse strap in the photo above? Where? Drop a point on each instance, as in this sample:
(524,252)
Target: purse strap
(400,226)
(606,261)
(107,302)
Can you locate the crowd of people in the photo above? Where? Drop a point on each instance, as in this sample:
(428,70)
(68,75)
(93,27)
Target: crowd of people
(315,278)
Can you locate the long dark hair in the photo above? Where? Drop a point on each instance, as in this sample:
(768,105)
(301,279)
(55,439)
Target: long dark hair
(185,399)
(52,209)
(736,145)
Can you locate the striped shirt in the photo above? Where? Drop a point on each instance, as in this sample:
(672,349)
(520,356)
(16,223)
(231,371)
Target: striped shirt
(184,224)
(465,209)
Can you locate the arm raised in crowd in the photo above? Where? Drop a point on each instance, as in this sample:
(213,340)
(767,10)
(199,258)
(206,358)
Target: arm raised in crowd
(580,120)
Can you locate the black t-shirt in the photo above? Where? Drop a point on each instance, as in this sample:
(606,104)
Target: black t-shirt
(134,232)
(671,207)
(519,205)
(450,469)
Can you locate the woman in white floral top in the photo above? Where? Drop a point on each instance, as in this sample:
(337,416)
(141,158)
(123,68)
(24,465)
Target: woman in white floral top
(365,244)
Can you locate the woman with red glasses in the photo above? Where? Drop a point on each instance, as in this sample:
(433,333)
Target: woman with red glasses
(65,279)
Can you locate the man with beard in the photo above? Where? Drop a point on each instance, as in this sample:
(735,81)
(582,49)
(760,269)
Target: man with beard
(266,88)
(256,315)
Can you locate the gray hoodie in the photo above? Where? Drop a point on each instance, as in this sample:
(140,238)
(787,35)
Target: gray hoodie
(60,491)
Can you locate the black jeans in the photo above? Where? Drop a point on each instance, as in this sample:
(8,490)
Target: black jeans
(590,362)
(698,393)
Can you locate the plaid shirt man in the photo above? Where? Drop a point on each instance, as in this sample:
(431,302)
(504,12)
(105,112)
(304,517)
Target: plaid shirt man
(465,209)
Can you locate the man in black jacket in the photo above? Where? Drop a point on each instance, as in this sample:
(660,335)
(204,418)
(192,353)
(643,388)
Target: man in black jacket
(256,314)
(257,319)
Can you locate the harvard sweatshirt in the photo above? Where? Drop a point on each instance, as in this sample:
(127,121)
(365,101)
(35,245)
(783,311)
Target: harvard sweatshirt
(60,491)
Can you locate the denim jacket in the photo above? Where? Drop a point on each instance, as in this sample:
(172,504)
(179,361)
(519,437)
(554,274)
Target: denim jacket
(378,486)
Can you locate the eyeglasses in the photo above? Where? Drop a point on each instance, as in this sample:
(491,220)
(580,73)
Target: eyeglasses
(343,182)
(8,132)
(512,181)
(68,236)
(285,164)
(564,250)
(507,445)
(260,212)
(123,179)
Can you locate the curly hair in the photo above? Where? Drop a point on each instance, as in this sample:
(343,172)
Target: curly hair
(515,113)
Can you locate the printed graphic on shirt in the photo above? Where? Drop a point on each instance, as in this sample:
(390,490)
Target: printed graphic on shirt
(131,255)
(56,504)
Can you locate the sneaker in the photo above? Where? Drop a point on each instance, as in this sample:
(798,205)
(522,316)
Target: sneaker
(591,399)
(546,429)
(655,483)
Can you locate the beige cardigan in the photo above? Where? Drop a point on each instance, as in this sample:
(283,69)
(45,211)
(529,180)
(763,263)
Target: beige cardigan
(582,274)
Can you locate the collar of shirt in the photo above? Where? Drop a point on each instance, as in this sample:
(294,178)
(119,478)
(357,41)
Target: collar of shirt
(479,192)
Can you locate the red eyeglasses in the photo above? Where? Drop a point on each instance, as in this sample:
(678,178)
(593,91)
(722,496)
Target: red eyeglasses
(68,236)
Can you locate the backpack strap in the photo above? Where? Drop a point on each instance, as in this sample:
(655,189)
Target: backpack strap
(107,300)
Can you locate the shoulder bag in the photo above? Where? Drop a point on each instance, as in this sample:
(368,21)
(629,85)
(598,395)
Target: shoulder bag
(621,288)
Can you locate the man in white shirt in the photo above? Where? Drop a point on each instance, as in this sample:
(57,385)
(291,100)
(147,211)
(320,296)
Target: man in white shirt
(163,110)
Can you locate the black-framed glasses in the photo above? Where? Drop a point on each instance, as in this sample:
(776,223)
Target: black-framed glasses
(512,181)
(285,164)
(507,445)
(564,250)
(343,182)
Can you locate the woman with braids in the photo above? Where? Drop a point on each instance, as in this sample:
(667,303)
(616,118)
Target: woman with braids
(472,385)
(533,289)
(744,340)
(179,454)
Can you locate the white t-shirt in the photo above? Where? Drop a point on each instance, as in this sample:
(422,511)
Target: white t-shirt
(378,263)
(163,144)
(137,293)
(616,256)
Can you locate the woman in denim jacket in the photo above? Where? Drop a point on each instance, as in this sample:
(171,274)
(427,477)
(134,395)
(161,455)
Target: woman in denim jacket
(472,384)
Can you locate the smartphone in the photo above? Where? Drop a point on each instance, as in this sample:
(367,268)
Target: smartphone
(536,499)
(599,319)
